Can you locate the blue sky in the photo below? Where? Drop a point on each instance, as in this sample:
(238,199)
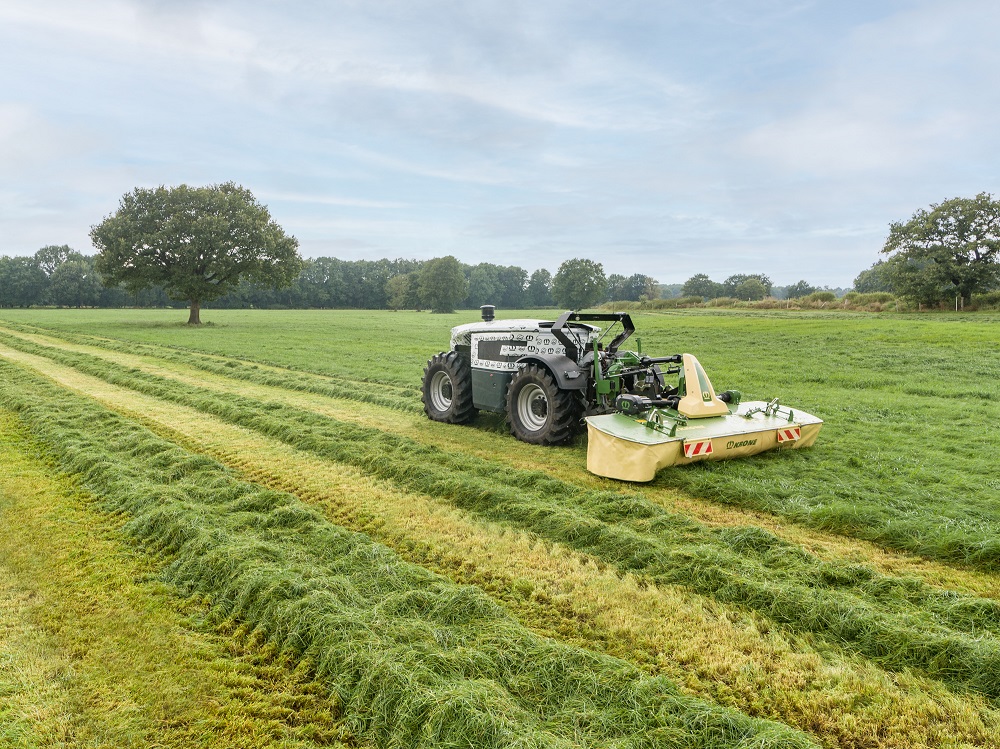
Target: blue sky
(666,138)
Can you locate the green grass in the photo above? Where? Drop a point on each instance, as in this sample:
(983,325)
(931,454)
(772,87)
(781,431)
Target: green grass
(96,652)
(373,346)
(910,402)
(410,658)
(904,460)
(898,623)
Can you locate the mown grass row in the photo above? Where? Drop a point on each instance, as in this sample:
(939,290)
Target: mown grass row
(96,652)
(738,659)
(410,658)
(383,394)
(897,622)
(903,461)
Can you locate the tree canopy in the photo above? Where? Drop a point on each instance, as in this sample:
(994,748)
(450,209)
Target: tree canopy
(75,283)
(950,250)
(539,291)
(800,289)
(703,286)
(731,286)
(195,242)
(442,284)
(22,281)
(877,278)
(751,289)
(579,284)
(634,288)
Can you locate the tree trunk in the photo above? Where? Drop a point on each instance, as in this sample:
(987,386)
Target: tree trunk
(195,317)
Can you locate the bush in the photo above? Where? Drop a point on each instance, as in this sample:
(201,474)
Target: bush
(672,303)
(768,303)
(876,301)
(988,300)
(681,301)
(881,297)
(823,297)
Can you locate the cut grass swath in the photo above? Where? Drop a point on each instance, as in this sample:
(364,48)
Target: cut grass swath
(95,652)
(897,622)
(906,455)
(387,395)
(737,659)
(412,659)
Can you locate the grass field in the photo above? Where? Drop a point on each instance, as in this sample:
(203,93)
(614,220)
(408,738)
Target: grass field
(403,582)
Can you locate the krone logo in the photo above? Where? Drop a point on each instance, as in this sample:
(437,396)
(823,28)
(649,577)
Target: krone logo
(745,443)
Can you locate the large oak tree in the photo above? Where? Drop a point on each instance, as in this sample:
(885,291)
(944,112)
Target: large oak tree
(195,242)
(951,250)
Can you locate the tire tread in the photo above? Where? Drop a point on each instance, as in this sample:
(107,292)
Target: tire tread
(462,409)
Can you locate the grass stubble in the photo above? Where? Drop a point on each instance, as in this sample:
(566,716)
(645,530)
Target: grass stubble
(96,652)
(897,622)
(409,658)
(877,718)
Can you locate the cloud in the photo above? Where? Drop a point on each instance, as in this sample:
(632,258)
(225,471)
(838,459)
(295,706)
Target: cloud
(306,198)
(906,93)
(855,137)
(748,137)
(29,141)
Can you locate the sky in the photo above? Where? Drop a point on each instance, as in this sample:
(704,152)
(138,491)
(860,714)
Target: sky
(656,137)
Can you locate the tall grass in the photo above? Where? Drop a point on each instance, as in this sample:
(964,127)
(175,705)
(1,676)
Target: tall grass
(410,659)
(897,622)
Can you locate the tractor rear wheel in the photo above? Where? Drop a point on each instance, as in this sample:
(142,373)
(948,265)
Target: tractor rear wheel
(447,389)
(538,411)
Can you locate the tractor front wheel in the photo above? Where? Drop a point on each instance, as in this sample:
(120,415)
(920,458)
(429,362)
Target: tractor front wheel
(447,389)
(538,411)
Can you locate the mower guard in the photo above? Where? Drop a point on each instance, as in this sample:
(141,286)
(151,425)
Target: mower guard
(631,448)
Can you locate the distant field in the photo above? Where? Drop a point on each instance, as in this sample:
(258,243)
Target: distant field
(848,593)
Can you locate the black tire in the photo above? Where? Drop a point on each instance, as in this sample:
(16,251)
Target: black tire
(538,411)
(447,389)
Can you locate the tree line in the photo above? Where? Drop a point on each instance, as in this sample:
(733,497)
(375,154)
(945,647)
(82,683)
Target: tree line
(217,245)
(749,287)
(62,277)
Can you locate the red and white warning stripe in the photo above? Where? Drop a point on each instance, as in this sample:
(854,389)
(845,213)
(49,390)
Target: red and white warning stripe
(697,448)
(789,434)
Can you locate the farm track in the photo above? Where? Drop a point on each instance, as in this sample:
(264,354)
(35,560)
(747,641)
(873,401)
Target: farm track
(411,659)
(824,708)
(327,399)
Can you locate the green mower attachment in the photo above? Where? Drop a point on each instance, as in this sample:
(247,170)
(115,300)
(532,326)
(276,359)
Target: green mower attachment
(645,435)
